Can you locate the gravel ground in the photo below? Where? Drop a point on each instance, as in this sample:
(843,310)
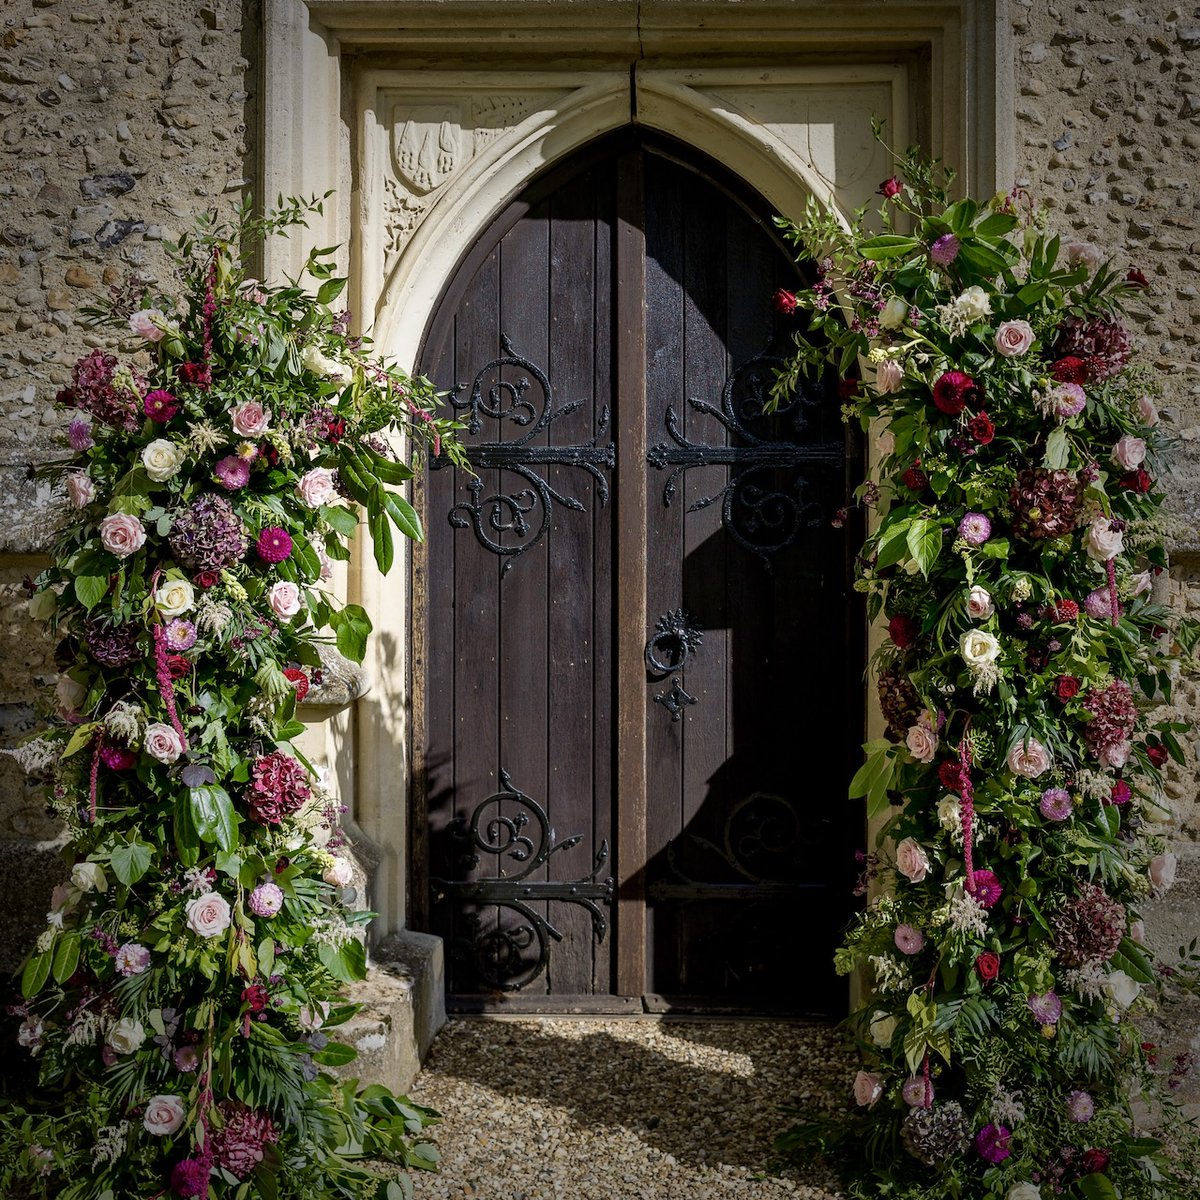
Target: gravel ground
(564,1108)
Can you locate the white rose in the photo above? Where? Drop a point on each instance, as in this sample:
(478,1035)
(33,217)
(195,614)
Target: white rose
(922,743)
(949,814)
(883,1025)
(126,1035)
(89,877)
(911,860)
(208,915)
(1023,1191)
(80,490)
(1162,868)
(175,597)
(1120,989)
(313,360)
(974,304)
(162,459)
(164,1115)
(979,603)
(895,313)
(1140,583)
(284,599)
(1013,338)
(889,375)
(162,742)
(339,873)
(1103,542)
(315,487)
(978,648)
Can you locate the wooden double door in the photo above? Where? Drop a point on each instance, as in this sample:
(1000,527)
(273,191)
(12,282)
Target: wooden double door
(638,667)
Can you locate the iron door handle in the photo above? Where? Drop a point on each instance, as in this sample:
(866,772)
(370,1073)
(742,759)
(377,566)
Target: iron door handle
(675,638)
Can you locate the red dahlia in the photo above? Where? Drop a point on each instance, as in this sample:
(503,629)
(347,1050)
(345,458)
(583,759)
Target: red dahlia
(1070,370)
(953,391)
(1066,610)
(981,428)
(903,631)
(950,775)
(1137,481)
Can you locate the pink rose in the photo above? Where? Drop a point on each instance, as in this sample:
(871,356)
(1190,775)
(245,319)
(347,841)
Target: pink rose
(1084,254)
(868,1087)
(80,490)
(250,419)
(121,534)
(1162,871)
(979,603)
(911,860)
(1147,411)
(284,598)
(1137,931)
(1013,338)
(1140,583)
(922,743)
(315,487)
(340,873)
(312,1016)
(888,376)
(1115,756)
(1103,541)
(148,323)
(1129,452)
(208,915)
(69,694)
(164,1115)
(1028,758)
(162,742)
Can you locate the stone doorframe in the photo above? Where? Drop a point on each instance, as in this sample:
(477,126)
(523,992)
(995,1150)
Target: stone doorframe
(427,117)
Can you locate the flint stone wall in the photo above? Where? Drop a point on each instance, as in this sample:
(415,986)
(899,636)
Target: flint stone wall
(118,122)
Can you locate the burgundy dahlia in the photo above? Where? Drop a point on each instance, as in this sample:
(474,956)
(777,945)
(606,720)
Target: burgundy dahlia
(953,391)
(1045,503)
(278,788)
(274,544)
(112,645)
(982,429)
(1089,928)
(903,630)
(208,535)
(238,1144)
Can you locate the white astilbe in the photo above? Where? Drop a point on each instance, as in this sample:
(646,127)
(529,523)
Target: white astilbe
(891,975)
(205,437)
(86,1029)
(124,722)
(1086,981)
(964,914)
(196,880)
(1007,1107)
(213,616)
(332,930)
(110,1144)
(954,318)
(37,758)
(1095,785)
(984,678)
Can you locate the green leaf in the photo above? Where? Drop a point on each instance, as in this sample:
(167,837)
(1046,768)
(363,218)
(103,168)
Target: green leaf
(1033,293)
(186,839)
(381,537)
(66,957)
(213,816)
(984,259)
(79,738)
(1096,1187)
(33,978)
(997,225)
(266,957)
(892,544)
(131,860)
(1132,960)
(330,290)
(351,627)
(960,215)
(924,544)
(386,470)
(888,245)
(340,518)
(90,589)
(335,1054)
(404,516)
(1057,449)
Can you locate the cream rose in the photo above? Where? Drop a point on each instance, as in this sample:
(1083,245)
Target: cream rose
(208,915)
(1084,254)
(974,304)
(164,1115)
(89,877)
(949,814)
(1137,931)
(1147,411)
(315,487)
(883,1025)
(1129,452)
(284,599)
(922,743)
(1102,541)
(1013,338)
(868,1087)
(126,1035)
(1140,583)
(149,323)
(162,742)
(121,534)
(1023,1191)
(895,313)
(250,419)
(162,459)
(978,648)
(1162,868)
(888,376)
(339,873)
(911,860)
(1121,989)
(1115,756)
(1029,758)
(979,603)
(80,489)
(175,597)
(885,443)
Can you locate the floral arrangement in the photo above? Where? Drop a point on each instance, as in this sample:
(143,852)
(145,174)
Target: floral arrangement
(1014,545)
(179,1005)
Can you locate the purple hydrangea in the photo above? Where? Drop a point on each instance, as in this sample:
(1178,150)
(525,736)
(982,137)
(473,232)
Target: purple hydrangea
(208,535)
(975,528)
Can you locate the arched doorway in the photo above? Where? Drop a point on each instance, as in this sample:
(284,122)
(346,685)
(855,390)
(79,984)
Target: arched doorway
(637,672)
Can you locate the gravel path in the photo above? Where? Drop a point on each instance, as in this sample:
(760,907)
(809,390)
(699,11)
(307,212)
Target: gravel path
(571,1108)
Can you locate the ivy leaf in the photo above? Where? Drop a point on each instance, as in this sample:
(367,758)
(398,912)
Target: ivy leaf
(212,814)
(1096,1187)
(924,543)
(131,860)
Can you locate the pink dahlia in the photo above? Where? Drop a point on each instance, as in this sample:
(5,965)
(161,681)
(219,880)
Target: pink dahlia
(975,529)
(1055,804)
(181,635)
(232,472)
(909,940)
(238,1144)
(1080,1107)
(1046,1008)
(266,900)
(278,788)
(274,544)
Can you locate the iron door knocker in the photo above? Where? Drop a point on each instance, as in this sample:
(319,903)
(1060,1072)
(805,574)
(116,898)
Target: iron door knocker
(674,639)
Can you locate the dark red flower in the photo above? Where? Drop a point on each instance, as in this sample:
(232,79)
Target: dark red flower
(160,405)
(953,391)
(784,301)
(1094,1162)
(335,430)
(197,374)
(987,966)
(1157,755)
(1066,687)
(890,187)
(981,428)
(915,479)
(207,579)
(255,996)
(903,631)
(1066,610)
(950,775)
(299,681)
(847,389)
(1137,481)
(1136,278)
(1070,370)
(178,665)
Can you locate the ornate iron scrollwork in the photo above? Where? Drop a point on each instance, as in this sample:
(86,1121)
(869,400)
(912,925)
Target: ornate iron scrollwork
(676,700)
(499,957)
(675,635)
(528,510)
(756,514)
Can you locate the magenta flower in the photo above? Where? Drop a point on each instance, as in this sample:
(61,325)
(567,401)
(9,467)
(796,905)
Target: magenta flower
(1055,804)
(160,405)
(232,472)
(994,1143)
(181,635)
(274,544)
(79,434)
(945,250)
(988,888)
(186,1059)
(1121,793)
(266,900)
(909,940)
(189,1178)
(975,529)
(1046,1008)
(117,758)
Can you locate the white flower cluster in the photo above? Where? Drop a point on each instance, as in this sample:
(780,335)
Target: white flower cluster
(891,975)
(964,311)
(110,1144)
(37,757)
(213,616)
(125,722)
(964,914)
(332,930)
(1095,785)
(1087,981)
(86,1029)
(1007,1107)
